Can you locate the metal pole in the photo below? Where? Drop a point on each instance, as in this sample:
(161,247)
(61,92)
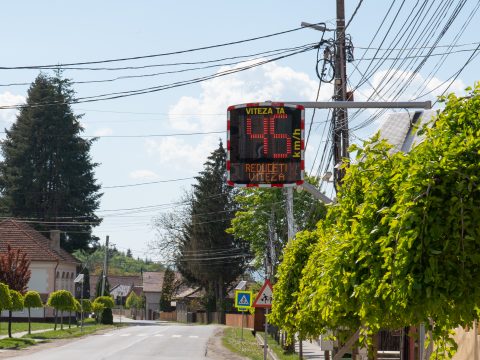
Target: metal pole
(421,341)
(81,308)
(265,345)
(243,318)
(290,218)
(105,268)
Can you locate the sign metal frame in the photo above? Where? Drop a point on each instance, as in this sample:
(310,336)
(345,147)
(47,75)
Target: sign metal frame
(242,307)
(301,161)
(260,293)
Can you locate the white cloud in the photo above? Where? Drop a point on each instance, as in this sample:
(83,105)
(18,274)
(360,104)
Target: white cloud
(7,99)
(143,174)
(176,152)
(434,86)
(103,132)
(267,82)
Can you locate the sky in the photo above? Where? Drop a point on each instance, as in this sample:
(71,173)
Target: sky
(129,149)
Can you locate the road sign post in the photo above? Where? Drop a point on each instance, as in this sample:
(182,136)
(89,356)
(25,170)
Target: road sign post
(243,303)
(264,300)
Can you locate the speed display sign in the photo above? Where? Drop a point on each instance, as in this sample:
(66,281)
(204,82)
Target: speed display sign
(265,143)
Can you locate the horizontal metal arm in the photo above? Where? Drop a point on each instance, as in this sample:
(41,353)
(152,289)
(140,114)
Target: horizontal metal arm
(317,194)
(362,104)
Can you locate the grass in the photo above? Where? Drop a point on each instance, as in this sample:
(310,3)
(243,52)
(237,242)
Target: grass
(67,333)
(15,343)
(249,346)
(21,326)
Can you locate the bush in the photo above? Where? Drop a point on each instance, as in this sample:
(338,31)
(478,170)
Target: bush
(107,316)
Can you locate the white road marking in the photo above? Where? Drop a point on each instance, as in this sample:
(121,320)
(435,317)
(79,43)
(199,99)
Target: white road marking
(176,336)
(125,334)
(158,335)
(193,336)
(108,334)
(142,335)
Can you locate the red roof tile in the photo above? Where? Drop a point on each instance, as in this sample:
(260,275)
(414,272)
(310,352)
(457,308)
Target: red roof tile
(37,247)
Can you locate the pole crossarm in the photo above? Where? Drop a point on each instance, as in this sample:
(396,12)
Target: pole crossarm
(362,104)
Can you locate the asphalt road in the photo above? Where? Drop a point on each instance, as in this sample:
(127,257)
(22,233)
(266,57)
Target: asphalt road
(138,342)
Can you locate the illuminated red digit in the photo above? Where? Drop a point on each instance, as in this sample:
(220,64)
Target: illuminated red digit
(263,135)
(277,137)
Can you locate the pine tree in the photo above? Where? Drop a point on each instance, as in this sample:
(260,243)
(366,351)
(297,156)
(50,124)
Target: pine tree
(47,172)
(168,288)
(209,256)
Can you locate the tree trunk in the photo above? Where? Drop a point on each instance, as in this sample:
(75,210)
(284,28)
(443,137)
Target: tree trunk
(9,323)
(69,319)
(61,320)
(56,316)
(29,323)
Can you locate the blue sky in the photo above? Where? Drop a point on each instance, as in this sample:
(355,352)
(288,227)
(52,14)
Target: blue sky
(52,32)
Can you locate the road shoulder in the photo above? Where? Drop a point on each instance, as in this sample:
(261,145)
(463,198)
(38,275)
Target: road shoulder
(216,351)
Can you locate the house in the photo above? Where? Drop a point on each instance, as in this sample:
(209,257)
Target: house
(114,281)
(152,290)
(52,268)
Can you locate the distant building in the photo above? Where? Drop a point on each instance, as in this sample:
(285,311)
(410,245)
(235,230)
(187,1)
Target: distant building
(52,267)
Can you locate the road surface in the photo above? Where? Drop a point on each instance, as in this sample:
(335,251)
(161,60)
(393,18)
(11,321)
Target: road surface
(138,342)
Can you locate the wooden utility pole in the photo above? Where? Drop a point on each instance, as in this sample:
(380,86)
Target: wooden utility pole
(340,115)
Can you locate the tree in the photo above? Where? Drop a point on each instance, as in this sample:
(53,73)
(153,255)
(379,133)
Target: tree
(5,297)
(61,300)
(261,217)
(106,290)
(133,303)
(400,247)
(129,253)
(31,300)
(15,305)
(108,304)
(168,288)
(201,233)
(15,269)
(47,172)
(97,309)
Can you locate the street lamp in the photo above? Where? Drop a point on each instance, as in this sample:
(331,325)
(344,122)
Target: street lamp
(79,280)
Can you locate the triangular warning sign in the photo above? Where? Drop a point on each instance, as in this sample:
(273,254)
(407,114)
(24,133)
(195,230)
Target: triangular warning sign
(244,301)
(265,296)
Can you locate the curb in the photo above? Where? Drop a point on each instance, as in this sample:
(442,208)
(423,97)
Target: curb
(270,353)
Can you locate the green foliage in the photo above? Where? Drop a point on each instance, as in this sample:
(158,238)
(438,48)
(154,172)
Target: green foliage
(133,301)
(197,232)
(168,288)
(47,171)
(87,305)
(17,301)
(61,300)
(401,246)
(107,301)
(32,299)
(5,297)
(97,308)
(106,290)
(78,307)
(107,316)
(287,287)
(257,207)
(119,263)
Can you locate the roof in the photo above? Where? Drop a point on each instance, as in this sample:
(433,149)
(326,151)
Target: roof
(121,290)
(114,281)
(37,247)
(153,281)
(400,129)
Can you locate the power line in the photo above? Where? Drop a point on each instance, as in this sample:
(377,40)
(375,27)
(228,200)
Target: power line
(56,66)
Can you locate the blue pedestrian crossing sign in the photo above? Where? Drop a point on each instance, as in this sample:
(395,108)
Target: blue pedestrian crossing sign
(243,299)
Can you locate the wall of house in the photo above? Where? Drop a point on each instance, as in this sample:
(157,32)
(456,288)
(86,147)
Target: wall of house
(152,302)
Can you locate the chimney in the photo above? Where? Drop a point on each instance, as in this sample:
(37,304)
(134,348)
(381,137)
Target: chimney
(55,239)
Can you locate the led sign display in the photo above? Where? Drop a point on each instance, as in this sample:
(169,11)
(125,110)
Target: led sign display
(265,144)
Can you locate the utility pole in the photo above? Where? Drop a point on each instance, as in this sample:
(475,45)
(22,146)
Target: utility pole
(340,115)
(105,266)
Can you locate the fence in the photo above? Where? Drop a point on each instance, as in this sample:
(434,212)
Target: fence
(235,320)
(168,316)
